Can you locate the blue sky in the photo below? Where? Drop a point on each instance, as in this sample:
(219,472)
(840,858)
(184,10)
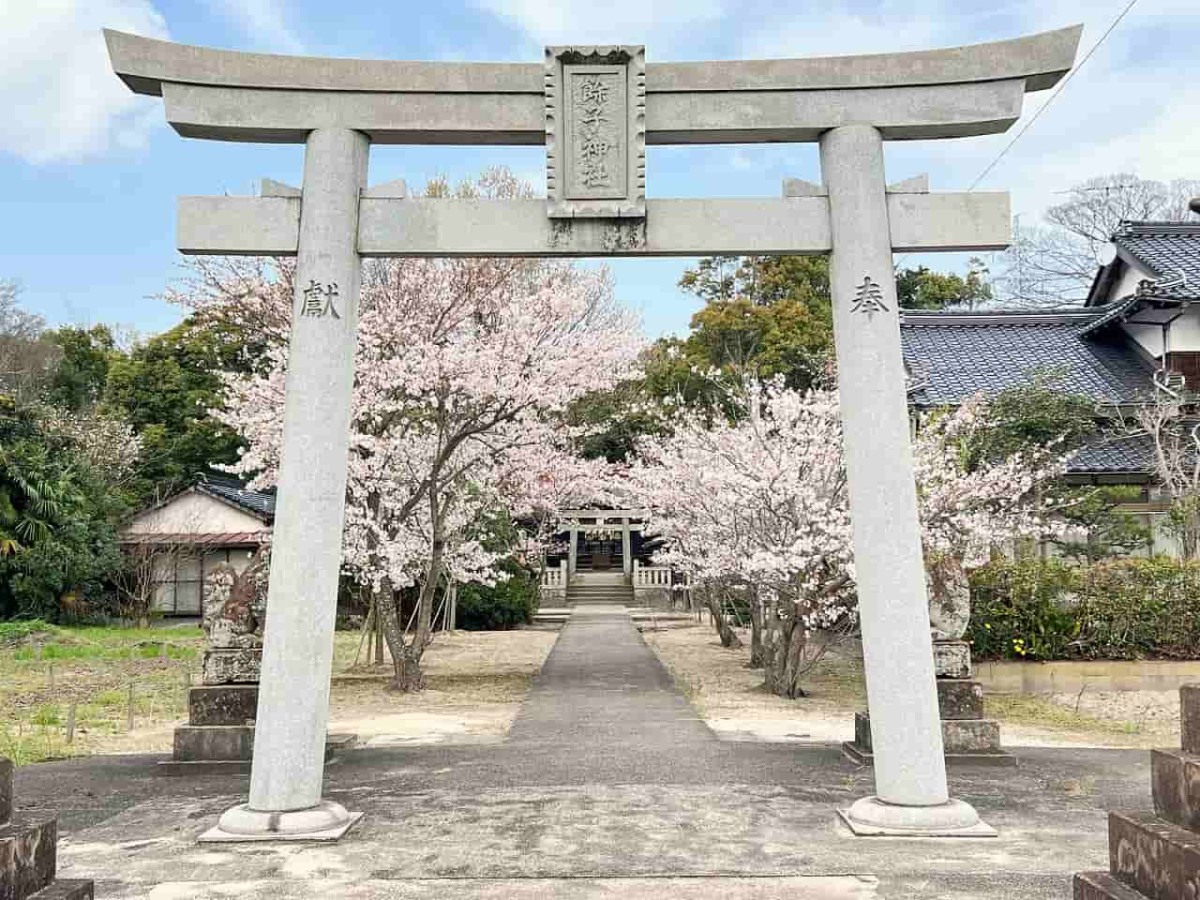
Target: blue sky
(88,172)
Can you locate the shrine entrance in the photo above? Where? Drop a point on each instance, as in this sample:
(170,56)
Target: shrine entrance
(595,109)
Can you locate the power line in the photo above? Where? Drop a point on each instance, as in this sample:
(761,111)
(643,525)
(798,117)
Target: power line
(1061,85)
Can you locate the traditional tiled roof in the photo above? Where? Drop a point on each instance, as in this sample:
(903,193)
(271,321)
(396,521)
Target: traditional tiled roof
(257,503)
(953,356)
(1171,250)
(199,539)
(1125,455)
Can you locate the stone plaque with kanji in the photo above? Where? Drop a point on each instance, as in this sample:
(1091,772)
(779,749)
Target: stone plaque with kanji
(596,132)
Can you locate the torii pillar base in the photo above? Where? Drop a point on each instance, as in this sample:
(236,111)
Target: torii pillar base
(871,817)
(327,821)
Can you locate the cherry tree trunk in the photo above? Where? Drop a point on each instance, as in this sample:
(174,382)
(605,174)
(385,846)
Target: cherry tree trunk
(729,638)
(757,654)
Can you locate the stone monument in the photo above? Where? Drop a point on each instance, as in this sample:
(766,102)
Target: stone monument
(967,737)
(594,109)
(219,734)
(1156,854)
(29,853)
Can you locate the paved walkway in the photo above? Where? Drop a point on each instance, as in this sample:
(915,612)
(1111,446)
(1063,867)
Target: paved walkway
(609,785)
(604,702)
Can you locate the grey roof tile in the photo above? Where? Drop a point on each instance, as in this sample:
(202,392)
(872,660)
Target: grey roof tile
(954,356)
(258,503)
(1124,455)
(1169,250)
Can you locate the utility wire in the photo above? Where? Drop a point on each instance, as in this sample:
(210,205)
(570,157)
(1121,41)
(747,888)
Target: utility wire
(1061,85)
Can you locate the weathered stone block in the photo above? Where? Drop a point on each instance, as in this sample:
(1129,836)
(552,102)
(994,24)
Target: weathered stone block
(1175,783)
(959,698)
(6,789)
(1153,856)
(67,889)
(231,666)
(222,704)
(213,742)
(28,856)
(1189,716)
(970,736)
(1102,886)
(958,736)
(952,659)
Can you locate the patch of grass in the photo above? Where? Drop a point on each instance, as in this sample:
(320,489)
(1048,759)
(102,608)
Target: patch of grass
(16,632)
(44,670)
(1026,709)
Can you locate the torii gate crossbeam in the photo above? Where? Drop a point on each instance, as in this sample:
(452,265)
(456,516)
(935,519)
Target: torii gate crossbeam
(595,109)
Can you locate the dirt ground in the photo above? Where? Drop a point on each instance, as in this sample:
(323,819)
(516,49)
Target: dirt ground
(476,682)
(733,702)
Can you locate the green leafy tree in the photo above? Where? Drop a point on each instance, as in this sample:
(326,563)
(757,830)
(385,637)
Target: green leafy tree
(87,354)
(166,388)
(922,288)
(57,518)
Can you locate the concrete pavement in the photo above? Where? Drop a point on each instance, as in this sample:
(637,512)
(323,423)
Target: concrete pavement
(608,785)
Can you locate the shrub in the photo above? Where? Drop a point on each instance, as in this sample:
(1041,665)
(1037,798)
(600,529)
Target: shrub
(504,606)
(1116,609)
(1136,608)
(1019,610)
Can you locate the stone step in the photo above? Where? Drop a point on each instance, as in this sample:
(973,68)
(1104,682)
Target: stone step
(66,889)
(6,789)
(1154,856)
(1189,715)
(1175,783)
(960,698)
(28,856)
(205,749)
(1102,886)
(965,741)
(222,704)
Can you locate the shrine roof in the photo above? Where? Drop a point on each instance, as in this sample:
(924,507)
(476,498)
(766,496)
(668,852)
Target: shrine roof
(953,356)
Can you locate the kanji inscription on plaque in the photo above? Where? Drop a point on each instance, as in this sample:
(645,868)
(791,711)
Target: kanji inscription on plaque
(596,132)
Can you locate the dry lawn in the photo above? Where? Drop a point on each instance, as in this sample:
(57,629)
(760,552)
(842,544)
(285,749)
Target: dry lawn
(733,702)
(476,680)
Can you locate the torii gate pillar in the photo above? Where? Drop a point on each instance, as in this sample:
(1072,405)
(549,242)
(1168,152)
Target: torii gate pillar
(910,784)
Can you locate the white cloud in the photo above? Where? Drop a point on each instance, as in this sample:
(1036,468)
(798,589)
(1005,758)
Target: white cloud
(263,21)
(1127,109)
(659,24)
(61,98)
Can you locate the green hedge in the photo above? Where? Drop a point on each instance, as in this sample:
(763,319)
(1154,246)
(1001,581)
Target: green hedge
(509,604)
(1116,609)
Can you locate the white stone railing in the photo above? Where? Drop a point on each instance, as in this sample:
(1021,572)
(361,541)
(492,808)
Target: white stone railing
(555,579)
(647,577)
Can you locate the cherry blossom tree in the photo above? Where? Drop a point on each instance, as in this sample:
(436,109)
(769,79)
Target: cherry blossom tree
(756,511)
(461,367)
(969,506)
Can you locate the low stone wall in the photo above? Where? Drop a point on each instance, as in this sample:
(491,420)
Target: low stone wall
(1070,676)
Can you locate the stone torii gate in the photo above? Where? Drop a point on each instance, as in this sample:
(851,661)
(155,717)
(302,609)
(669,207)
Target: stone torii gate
(595,109)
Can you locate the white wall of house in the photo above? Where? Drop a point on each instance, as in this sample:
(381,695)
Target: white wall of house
(1129,282)
(1148,337)
(1184,336)
(194,513)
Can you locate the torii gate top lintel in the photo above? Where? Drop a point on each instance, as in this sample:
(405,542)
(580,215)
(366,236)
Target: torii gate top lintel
(953,92)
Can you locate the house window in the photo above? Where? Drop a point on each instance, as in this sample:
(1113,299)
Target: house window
(1186,364)
(178,584)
